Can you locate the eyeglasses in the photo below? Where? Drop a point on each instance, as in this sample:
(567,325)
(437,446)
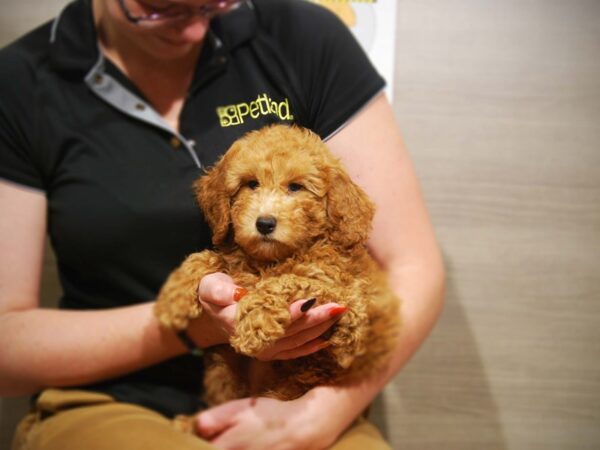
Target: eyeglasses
(159,12)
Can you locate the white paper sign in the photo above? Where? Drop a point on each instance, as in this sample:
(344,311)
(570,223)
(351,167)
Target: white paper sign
(373,23)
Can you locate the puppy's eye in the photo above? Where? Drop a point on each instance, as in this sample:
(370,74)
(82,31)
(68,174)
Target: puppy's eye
(295,187)
(252,184)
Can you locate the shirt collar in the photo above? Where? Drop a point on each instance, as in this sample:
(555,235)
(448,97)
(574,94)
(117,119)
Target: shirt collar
(74,45)
(236,27)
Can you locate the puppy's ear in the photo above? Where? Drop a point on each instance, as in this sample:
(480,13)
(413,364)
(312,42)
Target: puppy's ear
(349,209)
(213,198)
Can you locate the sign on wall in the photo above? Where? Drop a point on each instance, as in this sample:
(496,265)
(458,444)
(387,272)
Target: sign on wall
(373,23)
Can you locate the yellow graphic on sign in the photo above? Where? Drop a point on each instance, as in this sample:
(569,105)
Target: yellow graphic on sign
(342,9)
(373,24)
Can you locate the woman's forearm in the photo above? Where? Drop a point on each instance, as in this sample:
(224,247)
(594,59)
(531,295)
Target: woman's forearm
(46,347)
(421,288)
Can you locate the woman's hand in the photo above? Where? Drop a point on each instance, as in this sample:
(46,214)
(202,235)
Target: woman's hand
(218,295)
(264,423)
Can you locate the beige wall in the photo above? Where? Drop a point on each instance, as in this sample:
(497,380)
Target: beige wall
(500,106)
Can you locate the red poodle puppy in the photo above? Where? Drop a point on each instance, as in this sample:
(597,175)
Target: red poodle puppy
(288,223)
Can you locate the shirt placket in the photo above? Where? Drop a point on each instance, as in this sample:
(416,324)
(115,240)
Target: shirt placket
(114,93)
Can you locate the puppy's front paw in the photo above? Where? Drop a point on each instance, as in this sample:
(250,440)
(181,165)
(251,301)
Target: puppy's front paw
(176,314)
(177,302)
(258,328)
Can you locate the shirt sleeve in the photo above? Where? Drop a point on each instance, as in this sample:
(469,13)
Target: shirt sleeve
(16,122)
(336,76)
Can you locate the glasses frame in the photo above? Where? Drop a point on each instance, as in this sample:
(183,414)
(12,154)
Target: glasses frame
(205,10)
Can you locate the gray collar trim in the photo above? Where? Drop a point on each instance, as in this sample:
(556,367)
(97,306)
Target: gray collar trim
(113,93)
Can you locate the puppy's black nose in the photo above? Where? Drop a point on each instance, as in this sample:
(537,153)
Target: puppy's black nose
(266,225)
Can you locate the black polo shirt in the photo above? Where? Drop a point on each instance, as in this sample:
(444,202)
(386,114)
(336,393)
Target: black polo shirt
(121,213)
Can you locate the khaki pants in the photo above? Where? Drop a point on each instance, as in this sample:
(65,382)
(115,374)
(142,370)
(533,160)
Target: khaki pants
(81,420)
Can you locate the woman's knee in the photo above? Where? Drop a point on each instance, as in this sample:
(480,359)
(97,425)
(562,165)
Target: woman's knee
(104,426)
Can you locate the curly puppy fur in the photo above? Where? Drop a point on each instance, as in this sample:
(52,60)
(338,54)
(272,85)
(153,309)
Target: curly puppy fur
(315,222)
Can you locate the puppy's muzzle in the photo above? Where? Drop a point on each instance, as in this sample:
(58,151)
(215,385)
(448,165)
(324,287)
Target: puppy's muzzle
(266,225)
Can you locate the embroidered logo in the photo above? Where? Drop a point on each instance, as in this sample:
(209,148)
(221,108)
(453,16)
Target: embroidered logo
(264,105)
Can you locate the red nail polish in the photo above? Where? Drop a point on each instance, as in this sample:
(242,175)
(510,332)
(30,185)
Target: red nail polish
(337,311)
(239,293)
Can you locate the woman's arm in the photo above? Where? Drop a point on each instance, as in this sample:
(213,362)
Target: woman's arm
(403,242)
(46,347)
(43,347)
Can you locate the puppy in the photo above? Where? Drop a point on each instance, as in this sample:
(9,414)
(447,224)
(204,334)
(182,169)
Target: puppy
(288,223)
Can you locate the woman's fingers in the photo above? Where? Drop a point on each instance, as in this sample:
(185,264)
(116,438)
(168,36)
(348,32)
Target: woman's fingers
(301,307)
(313,316)
(219,294)
(219,289)
(306,349)
(305,335)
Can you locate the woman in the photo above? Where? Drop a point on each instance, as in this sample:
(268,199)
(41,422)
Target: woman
(107,115)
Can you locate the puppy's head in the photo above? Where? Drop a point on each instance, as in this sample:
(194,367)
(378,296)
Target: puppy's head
(277,190)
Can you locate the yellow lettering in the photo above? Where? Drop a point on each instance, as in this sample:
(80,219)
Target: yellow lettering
(243,110)
(254,109)
(284,110)
(263,105)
